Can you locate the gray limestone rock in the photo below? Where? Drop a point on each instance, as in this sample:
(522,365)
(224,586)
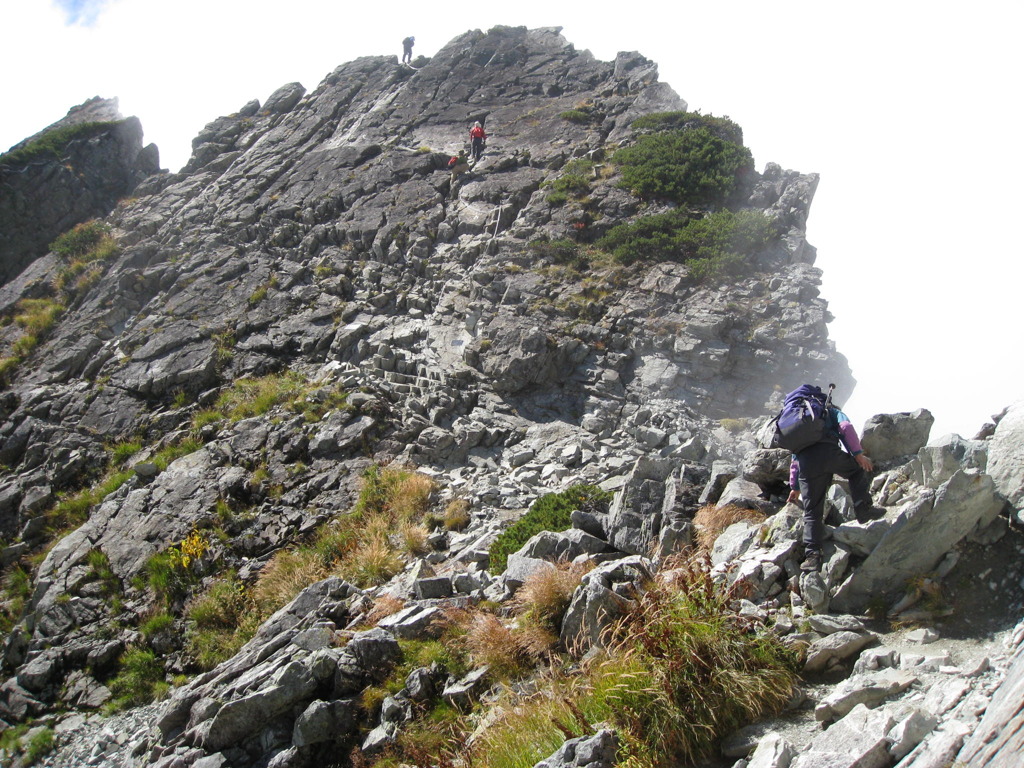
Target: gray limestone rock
(869,690)
(924,531)
(767,467)
(598,602)
(597,751)
(835,647)
(773,751)
(743,493)
(519,568)
(733,542)
(564,545)
(857,741)
(414,621)
(888,436)
(1006,457)
(325,721)
(462,693)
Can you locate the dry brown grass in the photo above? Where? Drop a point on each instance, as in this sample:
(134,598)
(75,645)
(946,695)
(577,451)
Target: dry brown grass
(545,595)
(287,574)
(383,606)
(710,522)
(372,561)
(456,515)
(411,498)
(413,538)
(490,642)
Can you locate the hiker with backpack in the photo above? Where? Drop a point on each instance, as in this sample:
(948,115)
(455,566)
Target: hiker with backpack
(407,44)
(477,140)
(458,166)
(824,443)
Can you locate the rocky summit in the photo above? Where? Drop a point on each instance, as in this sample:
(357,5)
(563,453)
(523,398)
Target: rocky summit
(340,447)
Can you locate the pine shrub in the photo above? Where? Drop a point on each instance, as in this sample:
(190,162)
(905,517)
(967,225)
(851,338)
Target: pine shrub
(689,167)
(551,512)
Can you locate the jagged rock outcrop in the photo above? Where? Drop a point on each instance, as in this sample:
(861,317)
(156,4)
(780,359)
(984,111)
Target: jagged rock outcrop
(319,241)
(97,161)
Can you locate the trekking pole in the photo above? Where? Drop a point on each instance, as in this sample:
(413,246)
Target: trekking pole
(828,400)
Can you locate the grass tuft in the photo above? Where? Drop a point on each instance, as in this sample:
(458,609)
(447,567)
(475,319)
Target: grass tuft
(710,522)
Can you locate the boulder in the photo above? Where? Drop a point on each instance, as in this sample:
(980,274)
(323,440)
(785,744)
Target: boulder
(889,436)
(598,602)
(734,541)
(597,751)
(925,529)
(1006,457)
(835,647)
(325,721)
(859,740)
(743,493)
(868,690)
(773,751)
(767,467)
(563,545)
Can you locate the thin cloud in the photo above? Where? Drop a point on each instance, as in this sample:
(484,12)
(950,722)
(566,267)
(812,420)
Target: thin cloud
(82,13)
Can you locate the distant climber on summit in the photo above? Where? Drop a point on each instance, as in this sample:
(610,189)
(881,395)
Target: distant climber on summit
(478,140)
(811,471)
(407,45)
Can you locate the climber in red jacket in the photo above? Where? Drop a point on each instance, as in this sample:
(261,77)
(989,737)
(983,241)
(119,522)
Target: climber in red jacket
(478,140)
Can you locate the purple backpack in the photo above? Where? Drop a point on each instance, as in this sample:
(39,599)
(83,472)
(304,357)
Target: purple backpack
(803,419)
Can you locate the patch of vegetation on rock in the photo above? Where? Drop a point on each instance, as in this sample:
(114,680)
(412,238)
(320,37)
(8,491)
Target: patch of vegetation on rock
(719,243)
(53,143)
(551,512)
(690,166)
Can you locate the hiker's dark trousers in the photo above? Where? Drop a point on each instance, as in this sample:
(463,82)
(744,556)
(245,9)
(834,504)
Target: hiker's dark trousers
(818,465)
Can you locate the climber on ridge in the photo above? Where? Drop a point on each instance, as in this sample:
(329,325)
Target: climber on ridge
(458,166)
(811,471)
(407,44)
(478,140)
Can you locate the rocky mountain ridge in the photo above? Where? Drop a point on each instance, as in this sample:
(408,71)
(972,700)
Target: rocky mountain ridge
(74,170)
(318,245)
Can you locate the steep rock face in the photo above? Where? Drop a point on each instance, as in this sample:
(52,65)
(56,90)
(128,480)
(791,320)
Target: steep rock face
(44,195)
(323,233)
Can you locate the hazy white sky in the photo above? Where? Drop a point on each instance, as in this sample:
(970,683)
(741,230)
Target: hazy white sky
(909,110)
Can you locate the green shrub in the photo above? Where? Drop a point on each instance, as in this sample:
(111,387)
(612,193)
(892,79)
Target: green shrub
(38,316)
(53,143)
(689,167)
(652,238)
(722,127)
(80,240)
(254,397)
(551,512)
(10,738)
(139,680)
(574,181)
(170,574)
(719,243)
(576,116)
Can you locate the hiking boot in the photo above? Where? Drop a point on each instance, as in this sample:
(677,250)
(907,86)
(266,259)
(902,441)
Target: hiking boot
(867,514)
(812,562)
